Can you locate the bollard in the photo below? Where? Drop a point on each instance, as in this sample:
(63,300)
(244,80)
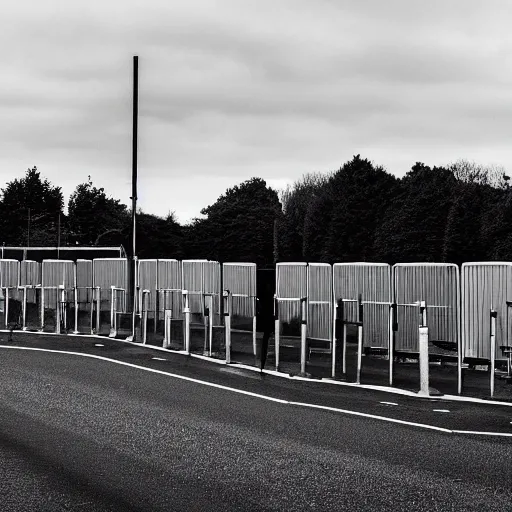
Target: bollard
(113,326)
(98,305)
(359,337)
(24,312)
(57,312)
(494,315)
(424,365)
(393,327)
(254,336)
(227,324)
(186,312)
(167,328)
(303,336)
(276,331)
(210,326)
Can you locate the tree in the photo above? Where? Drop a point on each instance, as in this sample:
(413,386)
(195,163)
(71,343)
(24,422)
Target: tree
(30,210)
(95,219)
(158,237)
(239,226)
(415,225)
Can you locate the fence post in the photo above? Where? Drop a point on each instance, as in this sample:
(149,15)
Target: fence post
(24,311)
(210,326)
(186,312)
(423,351)
(144,315)
(254,328)
(113,296)
(42,309)
(393,327)
(359,337)
(167,328)
(98,305)
(303,335)
(276,331)
(494,315)
(57,311)
(227,324)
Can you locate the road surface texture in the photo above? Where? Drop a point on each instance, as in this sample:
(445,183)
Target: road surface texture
(82,433)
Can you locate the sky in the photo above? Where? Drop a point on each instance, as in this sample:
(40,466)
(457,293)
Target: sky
(232,89)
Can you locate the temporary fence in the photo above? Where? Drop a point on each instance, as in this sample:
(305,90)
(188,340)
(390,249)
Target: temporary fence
(362,294)
(486,313)
(201,283)
(84,304)
(437,284)
(11,296)
(110,281)
(30,284)
(239,286)
(57,283)
(170,299)
(291,311)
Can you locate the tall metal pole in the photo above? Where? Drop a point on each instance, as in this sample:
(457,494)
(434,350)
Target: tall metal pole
(132,263)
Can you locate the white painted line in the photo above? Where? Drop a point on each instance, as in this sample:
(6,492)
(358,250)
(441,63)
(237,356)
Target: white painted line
(384,389)
(498,434)
(98,345)
(159,359)
(372,416)
(440,410)
(388,403)
(263,397)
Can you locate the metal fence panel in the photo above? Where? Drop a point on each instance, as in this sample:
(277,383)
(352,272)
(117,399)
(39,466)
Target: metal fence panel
(58,273)
(9,273)
(30,273)
(485,286)
(240,280)
(291,283)
(320,297)
(373,282)
(147,271)
(169,285)
(438,285)
(202,277)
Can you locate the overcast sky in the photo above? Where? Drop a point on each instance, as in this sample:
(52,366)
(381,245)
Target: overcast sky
(231,89)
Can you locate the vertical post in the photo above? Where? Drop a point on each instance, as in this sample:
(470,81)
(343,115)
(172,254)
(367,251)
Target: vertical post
(132,270)
(227,324)
(112,312)
(254,328)
(6,308)
(167,328)
(276,331)
(186,312)
(423,351)
(334,345)
(98,305)
(359,337)
(42,306)
(144,315)
(64,310)
(494,315)
(303,335)
(391,341)
(210,326)
(57,312)
(76,309)
(24,308)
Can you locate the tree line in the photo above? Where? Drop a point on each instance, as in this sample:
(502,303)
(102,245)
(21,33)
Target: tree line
(360,212)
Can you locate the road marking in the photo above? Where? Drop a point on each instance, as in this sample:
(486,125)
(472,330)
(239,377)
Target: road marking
(98,345)
(440,410)
(383,389)
(388,403)
(159,359)
(263,397)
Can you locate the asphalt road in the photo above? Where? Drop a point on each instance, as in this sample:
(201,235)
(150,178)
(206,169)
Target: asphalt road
(85,434)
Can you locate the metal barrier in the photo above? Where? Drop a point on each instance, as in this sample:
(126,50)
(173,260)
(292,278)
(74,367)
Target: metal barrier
(202,282)
(84,304)
(291,308)
(486,295)
(239,284)
(169,304)
(362,294)
(109,274)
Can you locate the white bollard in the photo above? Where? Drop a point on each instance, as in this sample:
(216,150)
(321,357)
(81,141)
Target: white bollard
(24,312)
(186,312)
(424,363)
(276,332)
(391,341)
(167,328)
(57,321)
(359,352)
(227,324)
(210,327)
(303,336)
(494,315)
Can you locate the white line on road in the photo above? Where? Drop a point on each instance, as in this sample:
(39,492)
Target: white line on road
(158,359)
(440,410)
(388,403)
(257,395)
(98,345)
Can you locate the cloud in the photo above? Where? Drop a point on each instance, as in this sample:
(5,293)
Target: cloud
(231,90)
